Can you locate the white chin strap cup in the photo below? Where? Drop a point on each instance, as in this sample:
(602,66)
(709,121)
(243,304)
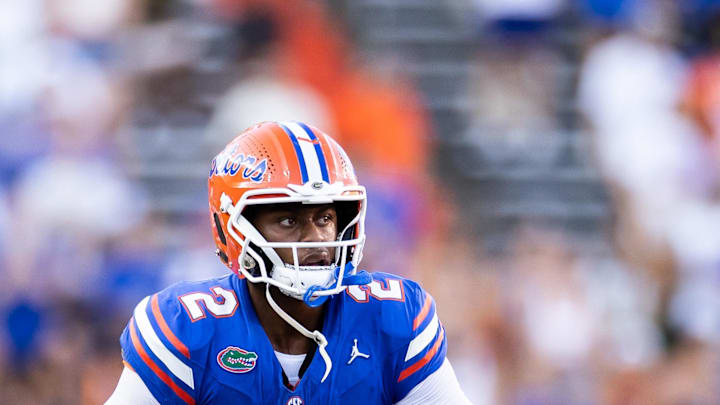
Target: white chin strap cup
(303,279)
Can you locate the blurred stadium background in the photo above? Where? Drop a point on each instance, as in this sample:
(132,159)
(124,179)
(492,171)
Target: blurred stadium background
(547,168)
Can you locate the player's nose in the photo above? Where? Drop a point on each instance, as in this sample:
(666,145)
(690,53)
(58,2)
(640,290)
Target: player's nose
(316,256)
(312,232)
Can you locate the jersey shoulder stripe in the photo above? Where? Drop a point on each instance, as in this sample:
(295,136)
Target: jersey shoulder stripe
(427,358)
(423,311)
(424,339)
(172,362)
(167,332)
(420,336)
(148,361)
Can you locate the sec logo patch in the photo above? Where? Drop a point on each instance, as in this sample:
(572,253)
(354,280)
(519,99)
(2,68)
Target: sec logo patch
(295,401)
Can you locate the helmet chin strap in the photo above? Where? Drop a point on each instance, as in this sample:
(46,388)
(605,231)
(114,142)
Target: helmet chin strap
(316,336)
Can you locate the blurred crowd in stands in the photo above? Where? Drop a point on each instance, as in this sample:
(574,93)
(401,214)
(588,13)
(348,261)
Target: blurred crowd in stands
(108,109)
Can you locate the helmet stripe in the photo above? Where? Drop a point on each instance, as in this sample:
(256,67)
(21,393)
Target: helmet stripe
(308,151)
(318,151)
(298,152)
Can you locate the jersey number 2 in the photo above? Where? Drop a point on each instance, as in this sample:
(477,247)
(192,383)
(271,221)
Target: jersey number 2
(221,304)
(394,291)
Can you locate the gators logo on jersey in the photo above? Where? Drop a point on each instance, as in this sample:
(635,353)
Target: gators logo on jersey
(237,360)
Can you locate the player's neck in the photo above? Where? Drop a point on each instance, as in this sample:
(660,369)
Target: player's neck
(283,337)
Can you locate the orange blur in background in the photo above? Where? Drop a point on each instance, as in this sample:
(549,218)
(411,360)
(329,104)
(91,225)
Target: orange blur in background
(547,169)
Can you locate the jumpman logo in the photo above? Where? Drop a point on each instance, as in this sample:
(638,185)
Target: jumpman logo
(356,353)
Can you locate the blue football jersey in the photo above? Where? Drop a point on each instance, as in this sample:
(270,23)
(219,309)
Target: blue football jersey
(202,343)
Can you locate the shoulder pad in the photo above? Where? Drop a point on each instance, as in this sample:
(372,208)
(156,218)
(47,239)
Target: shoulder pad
(408,316)
(163,338)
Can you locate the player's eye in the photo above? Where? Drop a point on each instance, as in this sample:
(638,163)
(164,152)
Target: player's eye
(287,221)
(326,218)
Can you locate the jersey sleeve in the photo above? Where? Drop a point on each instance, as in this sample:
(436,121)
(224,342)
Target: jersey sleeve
(440,387)
(424,345)
(153,350)
(131,390)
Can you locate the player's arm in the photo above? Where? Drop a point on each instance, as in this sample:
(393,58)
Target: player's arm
(423,374)
(439,388)
(157,357)
(131,390)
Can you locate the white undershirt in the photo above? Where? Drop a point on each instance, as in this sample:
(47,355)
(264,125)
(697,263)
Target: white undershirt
(291,364)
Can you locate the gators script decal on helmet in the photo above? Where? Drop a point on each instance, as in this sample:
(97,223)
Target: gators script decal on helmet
(230,165)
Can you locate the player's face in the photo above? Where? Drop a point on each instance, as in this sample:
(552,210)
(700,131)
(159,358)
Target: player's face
(299,223)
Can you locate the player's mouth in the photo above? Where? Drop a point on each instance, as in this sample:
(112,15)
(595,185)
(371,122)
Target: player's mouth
(316,259)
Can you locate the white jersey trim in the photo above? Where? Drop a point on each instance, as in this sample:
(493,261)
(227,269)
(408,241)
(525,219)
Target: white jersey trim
(131,390)
(439,388)
(177,367)
(424,339)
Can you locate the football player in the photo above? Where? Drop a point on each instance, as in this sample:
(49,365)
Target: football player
(296,322)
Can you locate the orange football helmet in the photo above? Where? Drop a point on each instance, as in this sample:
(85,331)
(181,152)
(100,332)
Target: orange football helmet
(285,162)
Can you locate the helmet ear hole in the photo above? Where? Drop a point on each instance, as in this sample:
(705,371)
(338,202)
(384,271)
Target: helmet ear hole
(220,232)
